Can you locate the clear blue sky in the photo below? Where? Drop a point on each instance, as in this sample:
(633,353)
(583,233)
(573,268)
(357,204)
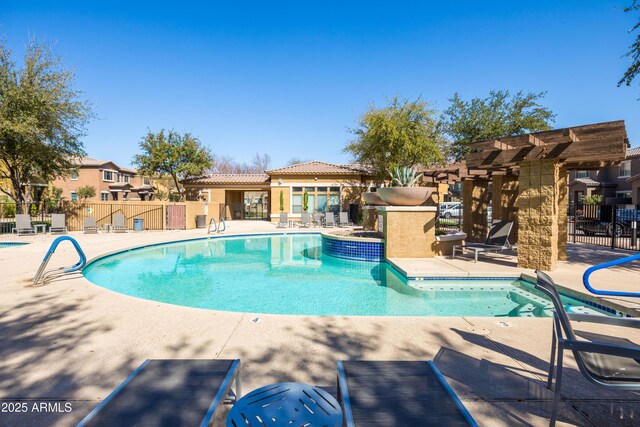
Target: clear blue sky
(289,78)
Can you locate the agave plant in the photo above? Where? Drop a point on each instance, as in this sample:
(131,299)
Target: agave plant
(404,177)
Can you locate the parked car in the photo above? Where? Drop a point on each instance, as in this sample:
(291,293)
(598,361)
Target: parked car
(622,227)
(450,210)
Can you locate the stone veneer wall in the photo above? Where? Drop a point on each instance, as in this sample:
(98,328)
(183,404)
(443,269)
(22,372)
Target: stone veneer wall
(541,208)
(369,218)
(409,232)
(475,194)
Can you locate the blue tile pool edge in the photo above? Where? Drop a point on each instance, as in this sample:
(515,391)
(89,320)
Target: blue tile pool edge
(619,310)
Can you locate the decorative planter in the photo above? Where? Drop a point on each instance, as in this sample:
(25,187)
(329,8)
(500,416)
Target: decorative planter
(405,196)
(373,199)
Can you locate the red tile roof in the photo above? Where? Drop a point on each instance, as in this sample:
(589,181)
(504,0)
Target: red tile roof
(230,178)
(317,167)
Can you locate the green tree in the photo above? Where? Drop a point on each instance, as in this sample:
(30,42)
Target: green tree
(170,153)
(86,192)
(281,201)
(500,114)
(305,200)
(404,133)
(42,119)
(634,51)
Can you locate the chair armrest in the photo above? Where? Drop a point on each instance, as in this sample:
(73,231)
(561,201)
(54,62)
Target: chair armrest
(603,348)
(628,322)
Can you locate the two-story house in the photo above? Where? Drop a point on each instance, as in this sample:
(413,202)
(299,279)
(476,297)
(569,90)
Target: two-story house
(616,184)
(112,182)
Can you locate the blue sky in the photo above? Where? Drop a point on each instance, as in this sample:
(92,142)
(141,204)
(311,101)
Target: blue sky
(290,78)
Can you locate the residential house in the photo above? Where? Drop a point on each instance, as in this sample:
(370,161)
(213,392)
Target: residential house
(616,184)
(112,182)
(329,187)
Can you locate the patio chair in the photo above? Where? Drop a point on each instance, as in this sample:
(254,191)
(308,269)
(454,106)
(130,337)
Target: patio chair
(89,225)
(398,393)
(329,220)
(169,392)
(119,224)
(284,220)
(305,220)
(497,240)
(58,224)
(611,362)
(23,225)
(316,219)
(344,221)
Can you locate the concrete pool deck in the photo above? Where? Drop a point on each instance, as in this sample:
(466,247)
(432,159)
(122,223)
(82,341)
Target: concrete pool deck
(73,341)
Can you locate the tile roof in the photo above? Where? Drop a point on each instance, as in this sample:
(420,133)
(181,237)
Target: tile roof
(230,178)
(633,152)
(592,183)
(317,167)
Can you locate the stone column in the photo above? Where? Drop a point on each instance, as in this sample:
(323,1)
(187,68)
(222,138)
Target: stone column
(369,218)
(475,194)
(538,214)
(563,206)
(504,202)
(409,232)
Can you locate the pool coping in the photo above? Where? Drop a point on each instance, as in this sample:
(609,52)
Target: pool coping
(593,301)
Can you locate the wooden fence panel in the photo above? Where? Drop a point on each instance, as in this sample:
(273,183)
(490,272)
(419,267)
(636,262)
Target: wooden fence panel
(151,213)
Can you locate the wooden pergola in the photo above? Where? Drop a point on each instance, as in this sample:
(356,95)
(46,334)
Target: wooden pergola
(590,146)
(529,175)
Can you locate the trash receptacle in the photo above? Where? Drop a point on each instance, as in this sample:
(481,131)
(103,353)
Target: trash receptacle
(201,221)
(138,224)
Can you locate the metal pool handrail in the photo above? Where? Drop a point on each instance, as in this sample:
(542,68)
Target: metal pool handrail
(217,226)
(43,276)
(590,270)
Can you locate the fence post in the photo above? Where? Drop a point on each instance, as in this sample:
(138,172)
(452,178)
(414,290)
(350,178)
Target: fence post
(614,221)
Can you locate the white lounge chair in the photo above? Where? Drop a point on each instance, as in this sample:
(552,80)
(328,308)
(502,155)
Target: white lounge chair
(305,219)
(58,224)
(329,220)
(497,240)
(344,220)
(23,225)
(89,226)
(119,224)
(284,221)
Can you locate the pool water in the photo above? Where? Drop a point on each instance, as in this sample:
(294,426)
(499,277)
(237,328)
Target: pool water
(11,244)
(288,274)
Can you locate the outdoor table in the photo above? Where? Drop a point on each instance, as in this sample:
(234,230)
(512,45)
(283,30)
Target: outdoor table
(286,404)
(42,227)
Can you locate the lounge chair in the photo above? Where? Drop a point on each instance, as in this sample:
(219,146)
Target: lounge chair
(497,240)
(344,220)
(23,225)
(329,220)
(608,361)
(119,224)
(284,221)
(58,224)
(169,393)
(305,219)
(89,225)
(395,393)
(316,219)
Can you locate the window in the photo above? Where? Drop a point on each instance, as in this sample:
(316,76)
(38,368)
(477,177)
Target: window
(104,196)
(125,178)
(146,181)
(107,176)
(74,175)
(74,196)
(623,194)
(625,169)
(582,174)
(320,199)
(118,177)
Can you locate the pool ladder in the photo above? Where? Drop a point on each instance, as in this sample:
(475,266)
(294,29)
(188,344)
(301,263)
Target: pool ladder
(587,273)
(215,227)
(43,276)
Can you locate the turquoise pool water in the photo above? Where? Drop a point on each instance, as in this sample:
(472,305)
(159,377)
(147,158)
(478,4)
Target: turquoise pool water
(288,274)
(11,244)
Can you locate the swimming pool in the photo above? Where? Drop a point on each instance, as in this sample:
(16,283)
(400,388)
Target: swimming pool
(10,244)
(289,274)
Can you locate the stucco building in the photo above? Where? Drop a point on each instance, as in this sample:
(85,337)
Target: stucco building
(330,187)
(112,182)
(616,184)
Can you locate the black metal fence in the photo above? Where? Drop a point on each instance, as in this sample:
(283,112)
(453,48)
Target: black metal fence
(40,213)
(449,218)
(614,226)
